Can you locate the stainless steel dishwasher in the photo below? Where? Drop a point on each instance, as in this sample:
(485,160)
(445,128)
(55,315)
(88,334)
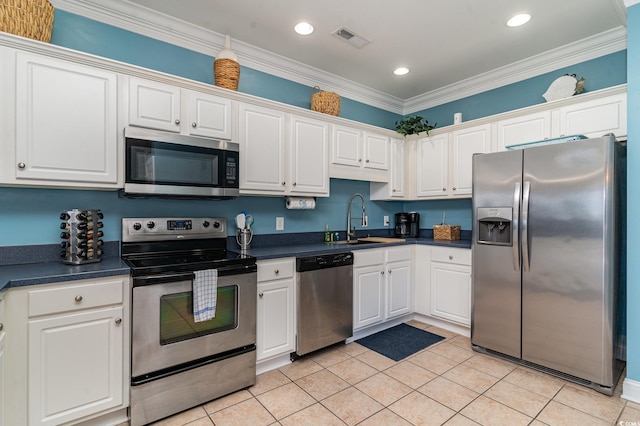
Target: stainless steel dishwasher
(324,296)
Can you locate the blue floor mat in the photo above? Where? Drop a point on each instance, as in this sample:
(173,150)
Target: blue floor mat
(400,341)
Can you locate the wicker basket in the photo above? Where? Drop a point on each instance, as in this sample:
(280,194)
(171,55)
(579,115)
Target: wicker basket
(325,102)
(226,73)
(446,232)
(27,18)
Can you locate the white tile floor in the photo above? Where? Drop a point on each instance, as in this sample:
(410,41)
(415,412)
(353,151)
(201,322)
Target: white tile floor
(446,383)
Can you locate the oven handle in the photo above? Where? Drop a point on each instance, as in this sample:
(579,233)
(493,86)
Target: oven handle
(162,279)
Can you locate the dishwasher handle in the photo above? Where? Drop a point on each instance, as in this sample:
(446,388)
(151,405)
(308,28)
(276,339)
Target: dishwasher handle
(314,263)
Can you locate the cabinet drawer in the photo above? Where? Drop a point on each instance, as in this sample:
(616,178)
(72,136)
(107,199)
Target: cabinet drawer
(75,297)
(275,269)
(368,257)
(458,256)
(396,254)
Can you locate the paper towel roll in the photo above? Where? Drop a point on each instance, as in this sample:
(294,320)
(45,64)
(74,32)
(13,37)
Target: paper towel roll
(301,203)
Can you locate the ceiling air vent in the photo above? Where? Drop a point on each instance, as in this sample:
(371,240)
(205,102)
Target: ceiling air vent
(350,37)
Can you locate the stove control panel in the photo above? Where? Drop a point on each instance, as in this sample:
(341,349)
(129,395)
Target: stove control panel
(170,228)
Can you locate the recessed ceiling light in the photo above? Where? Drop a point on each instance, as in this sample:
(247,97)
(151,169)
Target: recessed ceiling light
(304,28)
(519,19)
(401,71)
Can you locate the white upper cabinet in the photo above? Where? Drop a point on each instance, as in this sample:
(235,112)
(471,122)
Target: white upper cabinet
(359,155)
(61,123)
(464,144)
(395,188)
(432,170)
(523,129)
(309,164)
(262,150)
(165,107)
(595,118)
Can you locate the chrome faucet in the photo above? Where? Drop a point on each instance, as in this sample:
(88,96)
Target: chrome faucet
(351,233)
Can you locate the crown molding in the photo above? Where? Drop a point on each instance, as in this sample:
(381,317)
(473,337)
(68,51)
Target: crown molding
(629,3)
(131,17)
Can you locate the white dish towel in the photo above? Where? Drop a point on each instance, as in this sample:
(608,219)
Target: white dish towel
(205,292)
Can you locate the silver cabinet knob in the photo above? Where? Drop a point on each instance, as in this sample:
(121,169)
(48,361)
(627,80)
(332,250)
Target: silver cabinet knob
(177,121)
(393,190)
(389,271)
(277,271)
(294,183)
(78,298)
(193,124)
(450,257)
(359,160)
(260,295)
(1,326)
(21,165)
(118,321)
(283,183)
(381,272)
(454,188)
(367,161)
(444,189)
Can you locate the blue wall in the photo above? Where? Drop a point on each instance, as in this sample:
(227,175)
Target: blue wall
(633,201)
(599,73)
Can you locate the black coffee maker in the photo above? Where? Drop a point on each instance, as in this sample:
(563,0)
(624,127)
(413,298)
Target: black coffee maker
(407,225)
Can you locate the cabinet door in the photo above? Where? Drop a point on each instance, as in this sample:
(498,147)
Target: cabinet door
(209,116)
(528,128)
(262,142)
(433,167)
(399,290)
(75,365)
(451,292)
(66,127)
(346,146)
(309,156)
(376,151)
(275,333)
(465,143)
(369,296)
(154,105)
(397,168)
(595,118)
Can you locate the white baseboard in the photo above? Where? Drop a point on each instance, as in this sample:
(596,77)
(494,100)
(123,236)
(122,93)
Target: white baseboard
(631,390)
(273,363)
(460,329)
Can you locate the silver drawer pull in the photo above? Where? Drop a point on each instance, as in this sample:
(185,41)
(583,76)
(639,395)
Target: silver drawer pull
(261,295)
(78,299)
(177,121)
(193,124)
(21,165)
(450,257)
(277,271)
(118,321)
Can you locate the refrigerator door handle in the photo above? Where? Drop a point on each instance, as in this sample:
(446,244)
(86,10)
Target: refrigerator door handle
(515,227)
(525,226)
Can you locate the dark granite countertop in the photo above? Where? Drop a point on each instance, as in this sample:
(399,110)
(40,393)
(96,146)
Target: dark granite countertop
(54,272)
(299,250)
(49,272)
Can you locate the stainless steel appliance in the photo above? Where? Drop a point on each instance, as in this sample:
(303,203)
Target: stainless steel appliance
(160,164)
(407,225)
(324,292)
(546,258)
(177,363)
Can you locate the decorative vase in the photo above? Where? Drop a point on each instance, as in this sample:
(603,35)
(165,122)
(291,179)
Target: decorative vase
(226,69)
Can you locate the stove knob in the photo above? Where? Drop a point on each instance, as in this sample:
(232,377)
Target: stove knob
(206,223)
(137,226)
(216,225)
(151,224)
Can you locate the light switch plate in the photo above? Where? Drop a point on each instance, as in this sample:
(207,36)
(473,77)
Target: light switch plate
(386,221)
(279,223)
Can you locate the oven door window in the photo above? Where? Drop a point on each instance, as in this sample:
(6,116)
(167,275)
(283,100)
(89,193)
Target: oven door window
(163,163)
(176,316)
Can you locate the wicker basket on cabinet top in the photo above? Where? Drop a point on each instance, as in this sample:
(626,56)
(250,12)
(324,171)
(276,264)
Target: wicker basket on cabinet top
(27,18)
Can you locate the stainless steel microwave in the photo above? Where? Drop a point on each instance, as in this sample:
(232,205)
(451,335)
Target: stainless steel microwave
(161,164)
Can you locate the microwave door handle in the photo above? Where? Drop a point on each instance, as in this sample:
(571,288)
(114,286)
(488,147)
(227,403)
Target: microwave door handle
(162,279)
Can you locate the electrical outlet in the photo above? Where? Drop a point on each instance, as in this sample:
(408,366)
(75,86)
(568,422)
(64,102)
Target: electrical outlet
(386,221)
(279,223)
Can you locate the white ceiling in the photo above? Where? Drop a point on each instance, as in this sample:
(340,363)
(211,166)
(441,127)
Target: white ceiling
(442,42)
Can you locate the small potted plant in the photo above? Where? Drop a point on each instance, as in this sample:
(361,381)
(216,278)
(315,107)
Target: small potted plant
(414,125)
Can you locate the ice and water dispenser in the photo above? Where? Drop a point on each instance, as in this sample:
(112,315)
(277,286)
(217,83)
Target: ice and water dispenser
(494,225)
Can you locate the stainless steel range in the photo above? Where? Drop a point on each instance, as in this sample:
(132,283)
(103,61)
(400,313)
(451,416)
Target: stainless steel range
(176,362)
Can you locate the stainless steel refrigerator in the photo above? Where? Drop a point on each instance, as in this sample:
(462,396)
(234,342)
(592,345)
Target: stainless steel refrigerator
(546,225)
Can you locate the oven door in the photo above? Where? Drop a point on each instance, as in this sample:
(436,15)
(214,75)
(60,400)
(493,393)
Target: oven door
(164,334)
(158,164)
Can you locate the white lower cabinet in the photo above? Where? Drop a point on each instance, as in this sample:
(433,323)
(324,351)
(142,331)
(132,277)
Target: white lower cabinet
(74,353)
(383,285)
(276,308)
(451,284)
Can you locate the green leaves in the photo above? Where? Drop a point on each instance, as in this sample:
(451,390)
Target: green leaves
(413,125)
